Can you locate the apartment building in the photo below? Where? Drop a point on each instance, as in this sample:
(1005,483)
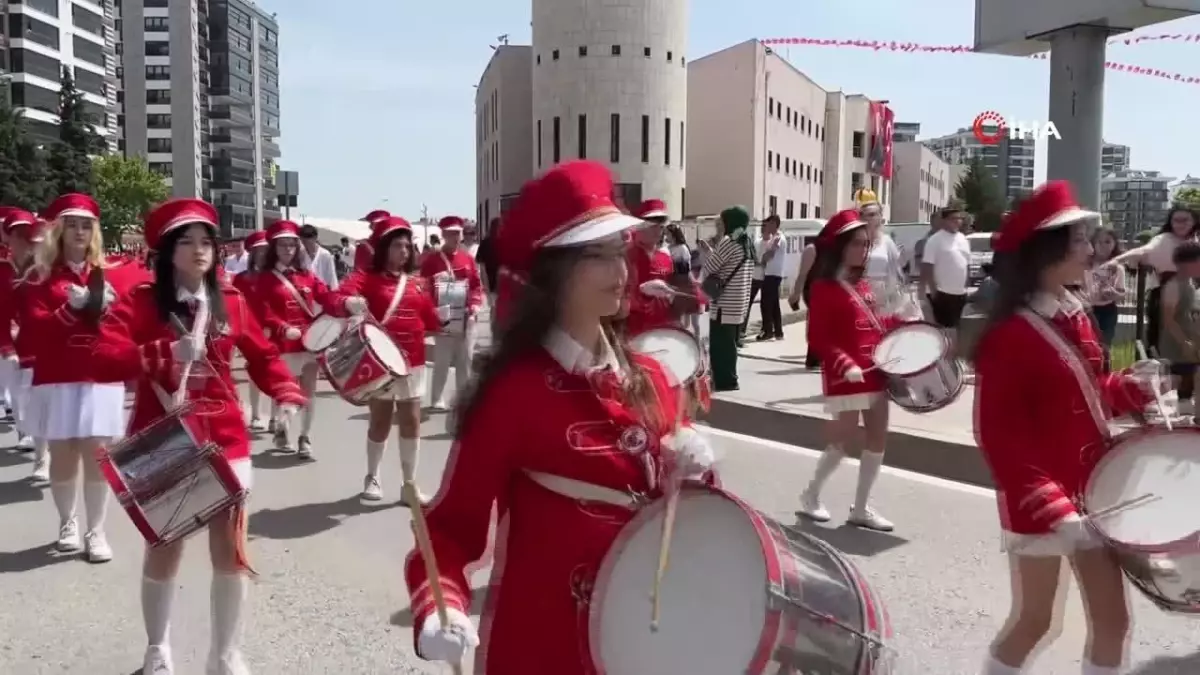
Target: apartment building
(1113,158)
(1135,201)
(504,131)
(921,183)
(1011,161)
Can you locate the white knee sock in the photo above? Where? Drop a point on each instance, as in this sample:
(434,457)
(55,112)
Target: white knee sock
(157,598)
(307,415)
(274,410)
(993,667)
(408,457)
(828,463)
(66,498)
(868,471)
(255,398)
(41,449)
(228,598)
(1090,668)
(95,503)
(374,456)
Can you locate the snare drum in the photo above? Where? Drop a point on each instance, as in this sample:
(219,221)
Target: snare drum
(766,600)
(922,374)
(362,362)
(170,483)
(675,350)
(1143,498)
(452,295)
(322,333)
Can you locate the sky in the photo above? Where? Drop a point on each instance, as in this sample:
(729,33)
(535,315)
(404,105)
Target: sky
(378,103)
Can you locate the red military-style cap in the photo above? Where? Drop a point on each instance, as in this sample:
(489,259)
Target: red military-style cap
(73,204)
(256,239)
(841,223)
(569,205)
(377,214)
(389,225)
(283,229)
(451,224)
(174,214)
(1051,206)
(13,217)
(35,228)
(652,209)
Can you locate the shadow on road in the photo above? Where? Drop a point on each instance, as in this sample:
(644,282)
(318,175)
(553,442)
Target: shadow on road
(32,559)
(14,457)
(850,539)
(1170,665)
(307,520)
(19,491)
(404,618)
(786,371)
(275,459)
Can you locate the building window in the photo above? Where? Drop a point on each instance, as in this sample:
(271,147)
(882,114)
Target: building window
(787,209)
(670,57)
(44,34)
(821,181)
(646,52)
(816,212)
(856,182)
(822,130)
(616,50)
(539,142)
(158,49)
(554,143)
(770,160)
(667,142)
(857,143)
(773,205)
(162,145)
(35,63)
(583,137)
(804,210)
(86,80)
(681,137)
(770,107)
(645,139)
(161,168)
(158,72)
(808,172)
(554,55)
(87,20)
(158,96)
(49,7)
(156,24)
(539,59)
(614,138)
(583,50)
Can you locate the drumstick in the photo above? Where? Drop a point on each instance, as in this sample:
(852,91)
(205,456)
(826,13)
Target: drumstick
(425,545)
(1142,500)
(1155,384)
(664,547)
(877,366)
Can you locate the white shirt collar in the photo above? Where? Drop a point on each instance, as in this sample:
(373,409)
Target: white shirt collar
(76,267)
(184,295)
(1050,305)
(575,358)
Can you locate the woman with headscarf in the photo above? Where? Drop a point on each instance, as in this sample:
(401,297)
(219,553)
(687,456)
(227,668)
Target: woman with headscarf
(726,282)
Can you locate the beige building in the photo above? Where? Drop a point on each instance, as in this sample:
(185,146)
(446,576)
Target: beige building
(920,183)
(763,134)
(503,131)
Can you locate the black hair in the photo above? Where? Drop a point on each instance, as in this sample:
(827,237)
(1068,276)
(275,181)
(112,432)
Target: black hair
(250,256)
(380,254)
(829,258)
(675,234)
(1186,252)
(1179,208)
(309,232)
(1118,249)
(166,297)
(434,240)
(299,261)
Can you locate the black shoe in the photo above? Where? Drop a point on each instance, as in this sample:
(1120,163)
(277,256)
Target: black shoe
(762,337)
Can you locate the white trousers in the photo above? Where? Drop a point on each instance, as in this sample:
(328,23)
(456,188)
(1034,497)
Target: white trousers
(451,351)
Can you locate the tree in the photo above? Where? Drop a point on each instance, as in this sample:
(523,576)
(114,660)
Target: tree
(981,195)
(1188,197)
(71,157)
(1142,238)
(126,189)
(23,178)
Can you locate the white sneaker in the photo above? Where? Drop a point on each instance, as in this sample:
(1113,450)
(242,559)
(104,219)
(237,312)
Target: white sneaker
(25,443)
(281,438)
(304,447)
(41,472)
(96,545)
(231,663)
(440,407)
(868,519)
(68,538)
(812,508)
(256,424)
(372,491)
(271,425)
(158,661)
(410,487)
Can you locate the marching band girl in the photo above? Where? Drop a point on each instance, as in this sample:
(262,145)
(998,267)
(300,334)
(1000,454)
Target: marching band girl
(70,405)
(650,267)
(290,296)
(846,330)
(565,423)
(1041,419)
(457,287)
(25,232)
(364,250)
(402,305)
(140,340)
(246,281)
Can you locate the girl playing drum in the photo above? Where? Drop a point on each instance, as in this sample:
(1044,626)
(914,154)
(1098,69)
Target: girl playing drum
(1041,419)
(845,330)
(246,281)
(139,342)
(403,305)
(565,424)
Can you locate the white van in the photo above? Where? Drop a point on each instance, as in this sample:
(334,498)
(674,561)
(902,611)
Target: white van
(981,254)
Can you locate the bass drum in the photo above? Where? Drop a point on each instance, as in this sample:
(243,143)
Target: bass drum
(767,600)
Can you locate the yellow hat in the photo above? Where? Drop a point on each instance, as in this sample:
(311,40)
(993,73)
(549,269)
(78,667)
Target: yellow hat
(864,197)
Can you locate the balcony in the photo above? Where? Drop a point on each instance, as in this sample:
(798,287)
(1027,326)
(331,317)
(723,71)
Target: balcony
(228,137)
(224,159)
(231,116)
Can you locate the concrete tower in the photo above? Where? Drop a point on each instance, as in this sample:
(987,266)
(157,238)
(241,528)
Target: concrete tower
(610,83)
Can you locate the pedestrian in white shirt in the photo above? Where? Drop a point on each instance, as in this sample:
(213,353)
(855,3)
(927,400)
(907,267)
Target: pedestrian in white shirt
(238,260)
(944,268)
(772,252)
(322,263)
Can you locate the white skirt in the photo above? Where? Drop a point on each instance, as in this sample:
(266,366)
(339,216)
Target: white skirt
(852,402)
(298,361)
(59,412)
(411,387)
(19,387)
(244,470)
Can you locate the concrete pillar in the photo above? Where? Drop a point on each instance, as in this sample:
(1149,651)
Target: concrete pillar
(1077,110)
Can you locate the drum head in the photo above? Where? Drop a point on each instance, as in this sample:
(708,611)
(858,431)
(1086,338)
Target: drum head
(323,332)
(675,349)
(910,349)
(1164,464)
(713,599)
(385,349)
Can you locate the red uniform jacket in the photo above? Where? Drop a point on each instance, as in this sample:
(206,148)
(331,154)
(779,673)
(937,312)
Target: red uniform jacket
(414,313)
(843,331)
(135,344)
(1042,401)
(464,269)
(290,299)
(247,283)
(364,255)
(8,306)
(538,416)
(646,312)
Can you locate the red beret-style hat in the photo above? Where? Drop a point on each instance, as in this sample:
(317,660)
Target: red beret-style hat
(256,239)
(377,214)
(283,229)
(383,228)
(1051,206)
(174,214)
(16,217)
(651,209)
(73,204)
(451,224)
(35,228)
(841,223)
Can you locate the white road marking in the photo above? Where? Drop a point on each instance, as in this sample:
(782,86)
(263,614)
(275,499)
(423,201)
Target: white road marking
(913,476)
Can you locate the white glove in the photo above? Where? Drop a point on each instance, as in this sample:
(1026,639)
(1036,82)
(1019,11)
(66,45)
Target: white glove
(356,305)
(1150,375)
(188,349)
(854,375)
(693,454)
(12,358)
(449,644)
(1075,530)
(110,296)
(292,333)
(657,288)
(77,296)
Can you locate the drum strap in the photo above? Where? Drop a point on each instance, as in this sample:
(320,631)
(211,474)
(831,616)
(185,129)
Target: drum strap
(1074,360)
(588,492)
(299,297)
(854,295)
(397,296)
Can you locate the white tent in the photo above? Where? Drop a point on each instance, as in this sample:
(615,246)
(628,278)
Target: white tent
(333,229)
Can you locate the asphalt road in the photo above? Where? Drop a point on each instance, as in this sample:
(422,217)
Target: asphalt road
(331,597)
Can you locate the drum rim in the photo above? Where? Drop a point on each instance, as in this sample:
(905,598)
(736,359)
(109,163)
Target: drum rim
(327,318)
(920,371)
(699,370)
(371,346)
(934,407)
(1110,457)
